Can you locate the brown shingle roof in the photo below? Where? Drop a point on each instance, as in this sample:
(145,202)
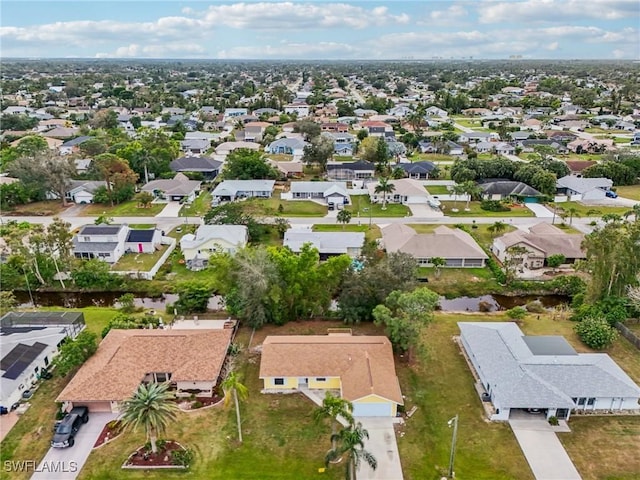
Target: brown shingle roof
(124,357)
(364,363)
(548,239)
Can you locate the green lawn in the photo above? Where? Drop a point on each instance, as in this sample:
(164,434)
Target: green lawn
(369,233)
(290,208)
(198,207)
(360,202)
(476,211)
(431,157)
(126,209)
(142,226)
(139,261)
(342,158)
(629,191)
(590,210)
(437,189)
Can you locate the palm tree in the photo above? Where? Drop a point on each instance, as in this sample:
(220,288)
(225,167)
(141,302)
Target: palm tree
(635,211)
(344,217)
(438,262)
(572,212)
(497,228)
(352,444)
(384,187)
(457,189)
(232,386)
(152,408)
(472,189)
(333,407)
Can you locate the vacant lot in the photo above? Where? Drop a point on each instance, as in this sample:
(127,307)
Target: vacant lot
(629,191)
(362,206)
(476,211)
(272,207)
(369,233)
(582,210)
(126,209)
(35,209)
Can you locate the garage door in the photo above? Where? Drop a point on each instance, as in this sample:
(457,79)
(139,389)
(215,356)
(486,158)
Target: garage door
(371,409)
(97,406)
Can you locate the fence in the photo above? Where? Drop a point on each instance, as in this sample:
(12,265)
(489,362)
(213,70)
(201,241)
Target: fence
(148,275)
(629,335)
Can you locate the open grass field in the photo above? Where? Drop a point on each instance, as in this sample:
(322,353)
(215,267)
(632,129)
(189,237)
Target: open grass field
(437,189)
(142,262)
(360,202)
(125,209)
(629,191)
(200,206)
(476,211)
(369,233)
(290,208)
(590,210)
(431,157)
(35,209)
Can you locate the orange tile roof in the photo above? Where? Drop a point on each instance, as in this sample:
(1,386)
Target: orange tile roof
(364,364)
(124,357)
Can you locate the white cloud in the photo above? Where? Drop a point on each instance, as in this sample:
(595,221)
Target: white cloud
(299,16)
(292,50)
(134,50)
(555,10)
(454,12)
(553,46)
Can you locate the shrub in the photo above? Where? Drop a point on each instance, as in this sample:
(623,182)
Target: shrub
(553,420)
(596,332)
(517,313)
(196,404)
(498,273)
(494,206)
(182,457)
(535,307)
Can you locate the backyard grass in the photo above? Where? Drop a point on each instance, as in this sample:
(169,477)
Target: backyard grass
(142,262)
(142,226)
(437,189)
(360,202)
(36,209)
(125,209)
(461,282)
(590,210)
(369,233)
(200,206)
(629,191)
(290,208)
(431,157)
(476,211)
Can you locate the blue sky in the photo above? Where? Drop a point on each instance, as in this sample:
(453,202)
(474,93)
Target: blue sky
(554,29)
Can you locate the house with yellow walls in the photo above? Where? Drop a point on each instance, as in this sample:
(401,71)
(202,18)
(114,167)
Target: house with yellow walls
(360,368)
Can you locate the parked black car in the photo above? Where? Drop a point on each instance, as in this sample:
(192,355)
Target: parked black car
(66,429)
(3,410)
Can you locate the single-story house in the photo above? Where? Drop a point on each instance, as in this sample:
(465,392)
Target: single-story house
(226,148)
(195,146)
(520,372)
(210,239)
(81,191)
(231,113)
(29,341)
(406,191)
(177,189)
(105,242)
(288,146)
(143,240)
(208,167)
(418,170)
(82,164)
(230,190)
(475,137)
(328,244)
(528,146)
(434,111)
(333,193)
(582,188)
(289,169)
(358,170)
(299,109)
(504,189)
(501,148)
(541,241)
(455,246)
(361,367)
(576,167)
(71,146)
(190,360)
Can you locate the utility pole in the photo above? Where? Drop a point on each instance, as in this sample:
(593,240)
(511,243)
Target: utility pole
(453,422)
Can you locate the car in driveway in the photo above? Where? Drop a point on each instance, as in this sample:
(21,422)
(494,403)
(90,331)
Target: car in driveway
(611,194)
(66,429)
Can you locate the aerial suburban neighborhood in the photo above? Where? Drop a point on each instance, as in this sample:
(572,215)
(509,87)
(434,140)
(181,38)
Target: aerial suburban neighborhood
(422,268)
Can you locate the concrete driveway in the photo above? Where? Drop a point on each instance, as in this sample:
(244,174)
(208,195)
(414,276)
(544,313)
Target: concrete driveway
(420,210)
(66,463)
(545,454)
(171,210)
(382,444)
(539,210)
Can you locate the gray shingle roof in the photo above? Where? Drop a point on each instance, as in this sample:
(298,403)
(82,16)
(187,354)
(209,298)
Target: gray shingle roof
(325,242)
(521,379)
(195,164)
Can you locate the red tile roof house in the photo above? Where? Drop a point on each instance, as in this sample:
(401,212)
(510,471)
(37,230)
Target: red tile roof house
(360,368)
(191,360)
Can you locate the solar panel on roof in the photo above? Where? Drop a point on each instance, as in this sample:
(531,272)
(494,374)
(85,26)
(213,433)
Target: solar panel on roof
(27,355)
(15,370)
(13,356)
